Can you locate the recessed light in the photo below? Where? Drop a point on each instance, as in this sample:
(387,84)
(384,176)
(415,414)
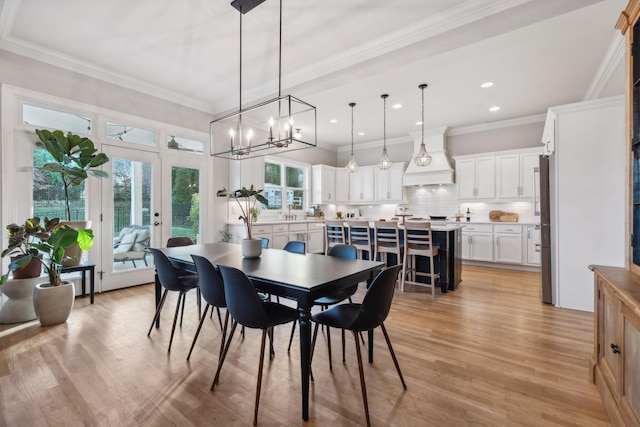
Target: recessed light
(486,85)
(397,106)
(494,109)
(333,121)
(418,123)
(361,133)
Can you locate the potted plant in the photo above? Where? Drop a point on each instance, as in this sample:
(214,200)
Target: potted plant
(20,250)
(247,200)
(75,157)
(53,300)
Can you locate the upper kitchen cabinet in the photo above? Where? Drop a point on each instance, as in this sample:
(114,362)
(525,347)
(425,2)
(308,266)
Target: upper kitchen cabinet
(343,177)
(246,172)
(517,174)
(323,184)
(361,185)
(388,184)
(475,177)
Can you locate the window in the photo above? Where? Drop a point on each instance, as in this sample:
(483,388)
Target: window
(54,119)
(184,144)
(125,133)
(285,185)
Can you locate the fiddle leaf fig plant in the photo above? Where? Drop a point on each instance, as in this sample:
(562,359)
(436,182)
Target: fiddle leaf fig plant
(75,157)
(51,239)
(249,199)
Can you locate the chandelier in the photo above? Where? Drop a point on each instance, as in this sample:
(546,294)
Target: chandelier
(284,123)
(384,163)
(422,158)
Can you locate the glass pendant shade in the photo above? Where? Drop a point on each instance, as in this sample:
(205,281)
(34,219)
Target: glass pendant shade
(352,166)
(422,158)
(384,163)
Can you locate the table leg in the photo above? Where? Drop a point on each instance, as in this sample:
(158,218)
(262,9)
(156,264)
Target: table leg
(84,282)
(92,272)
(158,293)
(305,355)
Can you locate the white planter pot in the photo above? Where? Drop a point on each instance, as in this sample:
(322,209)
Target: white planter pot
(18,307)
(251,248)
(53,304)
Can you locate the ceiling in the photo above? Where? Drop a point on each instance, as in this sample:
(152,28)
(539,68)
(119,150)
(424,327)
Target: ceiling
(539,53)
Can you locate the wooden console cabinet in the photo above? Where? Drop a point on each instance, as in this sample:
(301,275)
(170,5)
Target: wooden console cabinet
(616,354)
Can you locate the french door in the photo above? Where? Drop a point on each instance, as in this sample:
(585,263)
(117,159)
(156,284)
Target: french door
(130,218)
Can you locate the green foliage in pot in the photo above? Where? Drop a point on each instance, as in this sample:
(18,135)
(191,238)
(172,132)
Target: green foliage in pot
(249,199)
(51,240)
(75,157)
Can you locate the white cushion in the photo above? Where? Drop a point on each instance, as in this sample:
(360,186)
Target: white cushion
(126,243)
(142,240)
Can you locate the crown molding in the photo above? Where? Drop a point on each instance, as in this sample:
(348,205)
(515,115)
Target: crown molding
(521,121)
(613,56)
(376,144)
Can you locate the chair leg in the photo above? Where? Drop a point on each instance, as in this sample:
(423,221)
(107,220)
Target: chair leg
(293,330)
(219,317)
(158,310)
(404,271)
(224,335)
(184,298)
(259,383)
(175,320)
(393,354)
(234,324)
(343,353)
(363,386)
(199,303)
(329,347)
(195,338)
(272,352)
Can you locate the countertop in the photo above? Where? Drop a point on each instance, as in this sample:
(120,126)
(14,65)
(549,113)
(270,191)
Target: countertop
(434,223)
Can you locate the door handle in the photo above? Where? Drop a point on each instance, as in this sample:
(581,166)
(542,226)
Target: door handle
(615,349)
(157,223)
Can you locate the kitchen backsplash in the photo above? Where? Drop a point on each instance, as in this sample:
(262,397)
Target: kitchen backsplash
(439,200)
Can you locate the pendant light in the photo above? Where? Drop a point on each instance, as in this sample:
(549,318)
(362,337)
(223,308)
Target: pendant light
(422,158)
(384,163)
(352,166)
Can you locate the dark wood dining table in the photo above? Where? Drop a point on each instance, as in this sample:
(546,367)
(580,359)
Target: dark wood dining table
(301,277)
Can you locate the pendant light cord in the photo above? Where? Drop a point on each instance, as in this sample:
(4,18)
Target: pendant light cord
(352,105)
(422,87)
(280,55)
(384,121)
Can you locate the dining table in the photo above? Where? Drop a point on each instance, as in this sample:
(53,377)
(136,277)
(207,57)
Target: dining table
(300,277)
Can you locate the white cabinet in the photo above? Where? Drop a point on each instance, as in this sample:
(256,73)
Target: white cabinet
(515,177)
(388,183)
(315,242)
(533,243)
(298,232)
(246,172)
(342,184)
(361,185)
(280,236)
(323,184)
(476,178)
(508,243)
(477,242)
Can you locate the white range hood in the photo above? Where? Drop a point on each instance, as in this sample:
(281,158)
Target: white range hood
(439,171)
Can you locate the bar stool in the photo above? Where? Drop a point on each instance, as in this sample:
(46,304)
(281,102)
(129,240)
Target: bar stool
(418,243)
(360,237)
(334,234)
(387,240)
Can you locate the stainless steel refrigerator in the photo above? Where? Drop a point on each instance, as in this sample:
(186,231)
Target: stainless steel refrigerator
(545,230)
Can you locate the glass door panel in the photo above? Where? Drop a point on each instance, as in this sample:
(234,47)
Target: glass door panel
(185,202)
(130,218)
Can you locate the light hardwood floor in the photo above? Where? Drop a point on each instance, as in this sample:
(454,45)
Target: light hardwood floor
(489,354)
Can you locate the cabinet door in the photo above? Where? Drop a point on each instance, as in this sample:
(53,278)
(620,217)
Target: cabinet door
(630,398)
(533,245)
(508,176)
(609,307)
(342,185)
(383,191)
(485,178)
(328,185)
(508,248)
(355,186)
(466,178)
(395,182)
(481,247)
(466,246)
(528,163)
(368,184)
(314,242)
(279,240)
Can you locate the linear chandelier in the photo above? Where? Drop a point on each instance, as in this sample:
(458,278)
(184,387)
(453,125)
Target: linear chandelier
(284,123)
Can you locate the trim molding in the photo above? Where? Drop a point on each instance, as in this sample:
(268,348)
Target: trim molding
(521,121)
(613,56)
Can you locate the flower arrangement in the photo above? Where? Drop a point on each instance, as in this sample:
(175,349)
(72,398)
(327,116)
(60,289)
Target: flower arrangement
(247,200)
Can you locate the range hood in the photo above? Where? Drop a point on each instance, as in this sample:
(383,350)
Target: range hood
(439,171)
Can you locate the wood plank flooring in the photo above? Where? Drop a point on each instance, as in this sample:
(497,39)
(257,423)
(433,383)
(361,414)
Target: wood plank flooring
(489,354)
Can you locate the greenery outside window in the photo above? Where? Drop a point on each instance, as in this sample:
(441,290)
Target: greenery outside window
(285,185)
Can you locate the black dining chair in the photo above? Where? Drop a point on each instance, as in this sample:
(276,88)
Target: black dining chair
(246,309)
(171,281)
(212,290)
(366,316)
(338,251)
(295,246)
